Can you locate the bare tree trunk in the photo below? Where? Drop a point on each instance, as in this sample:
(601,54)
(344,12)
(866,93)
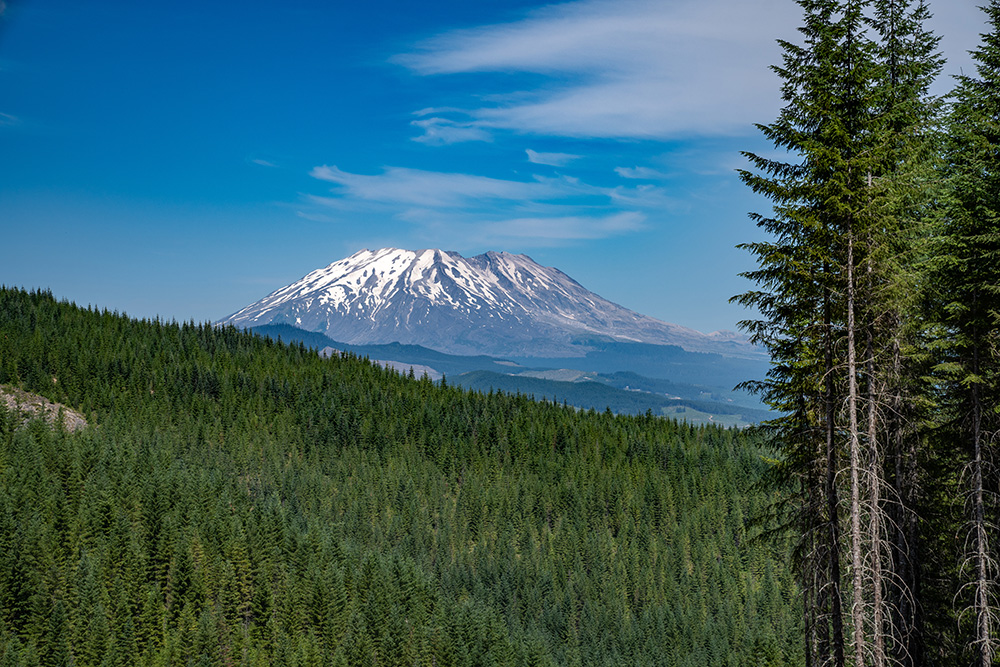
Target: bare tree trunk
(809,597)
(907,649)
(876,522)
(875,519)
(981,601)
(832,497)
(857,593)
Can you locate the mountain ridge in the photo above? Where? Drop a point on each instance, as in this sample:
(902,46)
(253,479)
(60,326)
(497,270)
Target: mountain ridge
(496,303)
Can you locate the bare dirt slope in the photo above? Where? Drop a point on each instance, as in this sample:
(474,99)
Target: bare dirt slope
(32,406)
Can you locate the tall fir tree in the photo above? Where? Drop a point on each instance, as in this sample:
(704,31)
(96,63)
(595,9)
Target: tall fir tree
(831,283)
(902,192)
(805,272)
(969,297)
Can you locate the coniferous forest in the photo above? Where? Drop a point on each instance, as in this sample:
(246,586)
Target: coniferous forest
(879,295)
(236,500)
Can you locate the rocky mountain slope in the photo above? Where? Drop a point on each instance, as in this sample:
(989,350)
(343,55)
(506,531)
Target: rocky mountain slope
(25,406)
(495,303)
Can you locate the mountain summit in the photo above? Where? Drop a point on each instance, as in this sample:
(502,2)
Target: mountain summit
(496,303)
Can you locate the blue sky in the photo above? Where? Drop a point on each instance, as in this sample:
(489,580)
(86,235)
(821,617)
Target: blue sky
(182,159)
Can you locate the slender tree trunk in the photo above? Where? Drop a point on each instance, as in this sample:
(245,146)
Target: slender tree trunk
(875,522)
(854,452)
(852,128)
(981,603)
(809,600)
(907,651)
(832,497)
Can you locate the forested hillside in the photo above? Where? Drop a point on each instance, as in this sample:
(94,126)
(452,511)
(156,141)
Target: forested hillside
(238,501)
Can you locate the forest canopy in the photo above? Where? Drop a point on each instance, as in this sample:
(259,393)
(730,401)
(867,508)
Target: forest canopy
(240,501)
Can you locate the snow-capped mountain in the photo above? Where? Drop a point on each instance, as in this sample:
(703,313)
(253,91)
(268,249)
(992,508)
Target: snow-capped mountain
(496,304)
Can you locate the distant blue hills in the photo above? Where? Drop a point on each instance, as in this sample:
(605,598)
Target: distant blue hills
(627,378)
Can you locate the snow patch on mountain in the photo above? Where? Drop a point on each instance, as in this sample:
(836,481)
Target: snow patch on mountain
(496,303)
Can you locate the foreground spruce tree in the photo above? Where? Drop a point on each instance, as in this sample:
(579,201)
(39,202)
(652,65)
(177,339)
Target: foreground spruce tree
(835,283)
(902,191)
(805,273)
(969,298)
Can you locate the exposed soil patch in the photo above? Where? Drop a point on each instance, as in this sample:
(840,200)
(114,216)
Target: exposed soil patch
(33,406)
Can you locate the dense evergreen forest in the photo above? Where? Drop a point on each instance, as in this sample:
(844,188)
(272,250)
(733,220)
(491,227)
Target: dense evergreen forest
(879,293)
(236,500)
(241,501)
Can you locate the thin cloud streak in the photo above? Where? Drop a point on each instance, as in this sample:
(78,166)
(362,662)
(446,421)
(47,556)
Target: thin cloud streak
(636,68)
(641,173)
(484,230)
(316,217)
(447,190)
(551,159)
(432,189)
(435,189)
(442,131)
(457,206)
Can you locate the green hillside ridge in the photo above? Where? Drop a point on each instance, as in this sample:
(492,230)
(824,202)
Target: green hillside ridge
(240,501)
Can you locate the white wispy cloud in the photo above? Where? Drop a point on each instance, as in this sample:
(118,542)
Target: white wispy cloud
(551,159)
(467,206)
(418,187)
(438,131)
(623,68)
(316,217)
(568,227)
(646,197)
(7,120)
(640,173)
(484,230)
